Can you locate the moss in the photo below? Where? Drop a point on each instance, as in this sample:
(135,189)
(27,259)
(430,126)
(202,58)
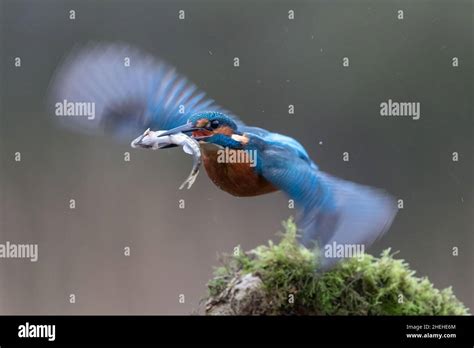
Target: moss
(366,285)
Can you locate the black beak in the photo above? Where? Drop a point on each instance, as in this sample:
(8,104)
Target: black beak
(185,128)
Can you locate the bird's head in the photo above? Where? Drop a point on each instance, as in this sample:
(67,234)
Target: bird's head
(212,127)
(211,122)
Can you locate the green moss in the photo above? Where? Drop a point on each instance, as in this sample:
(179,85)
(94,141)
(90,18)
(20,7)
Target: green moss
(359,286)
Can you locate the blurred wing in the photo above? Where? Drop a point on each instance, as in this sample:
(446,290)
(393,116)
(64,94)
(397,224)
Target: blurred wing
(330,209)
(130,90)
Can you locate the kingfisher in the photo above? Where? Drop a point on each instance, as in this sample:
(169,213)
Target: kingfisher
(132,91)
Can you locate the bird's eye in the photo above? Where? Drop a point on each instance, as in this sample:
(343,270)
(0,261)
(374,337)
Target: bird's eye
(214,124)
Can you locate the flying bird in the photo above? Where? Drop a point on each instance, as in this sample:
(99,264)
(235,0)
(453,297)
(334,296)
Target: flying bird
(132,91)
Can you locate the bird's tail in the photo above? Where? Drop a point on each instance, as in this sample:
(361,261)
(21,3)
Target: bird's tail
(358,216)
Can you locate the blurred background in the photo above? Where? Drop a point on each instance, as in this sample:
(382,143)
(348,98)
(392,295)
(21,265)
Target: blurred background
(282,62)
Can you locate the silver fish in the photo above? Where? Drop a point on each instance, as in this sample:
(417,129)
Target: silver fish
(152,140)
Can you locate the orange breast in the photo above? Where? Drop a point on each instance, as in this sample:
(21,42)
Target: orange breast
(238,179)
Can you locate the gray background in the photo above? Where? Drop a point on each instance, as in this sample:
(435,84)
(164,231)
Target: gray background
(282,62)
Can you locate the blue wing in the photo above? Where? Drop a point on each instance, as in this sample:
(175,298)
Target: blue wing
(275,139)
(131,91)
(330,209)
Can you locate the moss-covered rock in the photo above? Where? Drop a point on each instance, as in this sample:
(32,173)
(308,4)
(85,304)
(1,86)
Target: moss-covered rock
(281,279)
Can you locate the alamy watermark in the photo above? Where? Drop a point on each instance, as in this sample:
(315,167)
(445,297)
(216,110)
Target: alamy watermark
(28,330)
(237,156)
(336,250)
(81,109)
(394,108)
(19,251)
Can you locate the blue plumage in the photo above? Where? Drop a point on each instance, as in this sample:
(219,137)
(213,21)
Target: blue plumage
(150,94)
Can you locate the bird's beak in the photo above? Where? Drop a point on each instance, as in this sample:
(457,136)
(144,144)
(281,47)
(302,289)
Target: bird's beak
(186,128)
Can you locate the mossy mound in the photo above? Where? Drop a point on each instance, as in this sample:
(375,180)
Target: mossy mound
(280,279)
